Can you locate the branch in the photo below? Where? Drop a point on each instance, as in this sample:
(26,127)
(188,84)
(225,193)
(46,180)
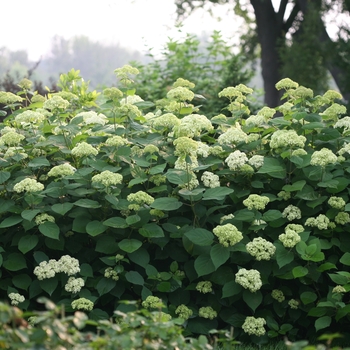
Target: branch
(281,11)
(287,25)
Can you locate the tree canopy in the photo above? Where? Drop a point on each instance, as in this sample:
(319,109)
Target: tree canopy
(293,40)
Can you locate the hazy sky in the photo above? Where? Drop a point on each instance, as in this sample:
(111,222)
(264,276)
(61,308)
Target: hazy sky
(31,25)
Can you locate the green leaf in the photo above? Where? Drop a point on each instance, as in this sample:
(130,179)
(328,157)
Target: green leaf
(4,176)
(283,256)
(271,215)
(132,219)
(94,228)
(115,222)
(166,204)
(15,262)
(135,278)
(50,229)
(158,169)
(105,285)
(342,312)
(217,193)
(219,255)
(21,281)
(49,285)
(231,288)
(203,265)
(338,279)
(253,300)
(308,297)
(326,266)
(27,243)
(297,186)
(129,245)
(62,208)
(106,244)
(273,167)
(164,287)
(300,271)
(29,214)
(140,257)
(322,322)
(112,199)
(87,203)
(345,259)
(11,221)
(86,270)
(39,162)
(151,230)
(177,177)
(200,236)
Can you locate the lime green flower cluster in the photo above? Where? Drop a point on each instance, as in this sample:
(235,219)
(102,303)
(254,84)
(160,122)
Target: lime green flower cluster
(237,93)
(151,149)
(30,118)
(321,222)
(113,93)
(125,72)
(184,83)
(249,279)
(11,138)
(278,295)
(56,102)
(185,146)
(291,213)
(254,326)
(323,158)
(16,298)
(165,121)
(111,273)
(180,94)
(291,236)
(284,195)
(116,141)
(62,170)
(107,178)
(287,139)
(255,201)
(342,218)
(188,164)
(129,110)
(74,285)
(225,218)
(302,92)
(28,185)
(152,302)
(41,218)
(204,287)
(261,249)
(8,98)
(210,179)
(286,84)
(338,289)
(299,152)
(184,312)
(207,312)
(139,199)
(82,304)
(192,125)
(334,111)
(228,234)
(233,136)
(158,179)
(336,202)
(294,304)
(84,149)
(15,151)
(236,160)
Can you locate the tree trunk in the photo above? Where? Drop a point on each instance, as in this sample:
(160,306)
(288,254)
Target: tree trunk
(269,31)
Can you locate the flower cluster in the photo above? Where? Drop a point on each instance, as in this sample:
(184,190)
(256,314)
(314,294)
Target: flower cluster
(151,149)
(286,84)
(261,249)
(338,289)
(210,179)
(233,136)
(204,287)
(228,234)
(8,98)
(342,218)
(111,273)
(323,158)
(236,160)
(124,73)
(334,111)
(131,99)
(82,304)
(254,326)
(255,201)
(299,152)
(184,312)
(321,222)
(287,139)
(277,295)
(152,302)
(113,93)
(83,149)
(291,236)
(185,146)
(203,149)
(284,195)
(291,213)
(15,152)
(116,141)
(11,138)
(184,83)
(249,279)
(293,303)
(28,185)
(16,298)
(165,121)
(62,170)
(74,285)
(343,123)
(41,218)
(226,218)
(192,125)
(256,161)
(91,117)
(107,178)
(302,92)
(56,102)
(139,199)
(180,94)
(336,202)
(207,312)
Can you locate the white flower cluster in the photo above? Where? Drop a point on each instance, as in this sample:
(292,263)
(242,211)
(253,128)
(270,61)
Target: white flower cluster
(291,236)
(131,99)
(83,149)
(165,121)
(203,149)
(255,201)
(82,304)
(48,269)
(334,111)
(30,118)
(291,213)
(11,138)
(139,199)
(91,117)
(228,234)
(254,326)
(287,139)
(28,185)
(41,218)
(343,123)
(180,94)
(249,279)
(15,151)
(236,160)
(210,179)
(256,161)
(107,178)
(116,141)
(261,249)
(16,298)
(204,287)
(342,218)
(74,285)
(286,84)
(321,222)
(192,125)
(56,102)
(336,202)
(233,136)
(323,157)
(226,217)
(344,149)
(62,170)
(185,146)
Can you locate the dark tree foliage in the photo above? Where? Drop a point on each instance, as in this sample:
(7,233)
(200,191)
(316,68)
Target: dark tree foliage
(292,42)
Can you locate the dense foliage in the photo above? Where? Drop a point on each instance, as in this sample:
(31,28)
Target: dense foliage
(231,221)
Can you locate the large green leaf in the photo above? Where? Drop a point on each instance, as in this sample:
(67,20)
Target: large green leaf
(203,265)
(231,288)
(62,208)
(49,285)
(105,285)
(308,297)
(219,255)
(15,262)
(151,230)
(345,259)
(296,186)
(87,203)
(300,271)
(253,300)
(27,243)
(30,214)
(39,162)
(11,221)
(200,236)
(140,257)
(177,177)
(50,229)
(4,176)
(217,193)
(106,244)
(21,281)
(273,167)
(166,204)
(322,322)
(116,222)
(130,245)
(283,256)
(134,277)
(95,227)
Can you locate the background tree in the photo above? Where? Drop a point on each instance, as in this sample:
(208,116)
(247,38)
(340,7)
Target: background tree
(281,33)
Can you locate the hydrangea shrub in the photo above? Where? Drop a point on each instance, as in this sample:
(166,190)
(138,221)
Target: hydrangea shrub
(239,221)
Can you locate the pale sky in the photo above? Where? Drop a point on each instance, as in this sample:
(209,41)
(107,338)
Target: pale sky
(31,25)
